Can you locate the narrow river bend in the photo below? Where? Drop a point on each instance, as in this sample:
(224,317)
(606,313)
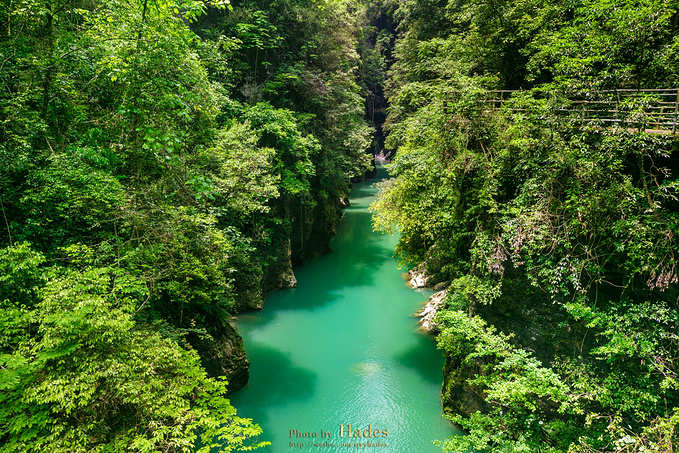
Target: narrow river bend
(340,355)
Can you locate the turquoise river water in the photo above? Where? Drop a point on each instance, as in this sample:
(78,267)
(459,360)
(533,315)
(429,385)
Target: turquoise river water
(340,356)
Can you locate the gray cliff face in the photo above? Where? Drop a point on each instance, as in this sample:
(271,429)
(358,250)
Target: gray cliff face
(250,298)
(457,396)
(225,356)
(308,234)
(312,228)
(278,274)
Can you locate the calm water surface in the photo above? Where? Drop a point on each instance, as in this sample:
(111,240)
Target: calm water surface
(343,349)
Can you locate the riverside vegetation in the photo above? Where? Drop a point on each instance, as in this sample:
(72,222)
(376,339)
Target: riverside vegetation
(557,238)
(164,163)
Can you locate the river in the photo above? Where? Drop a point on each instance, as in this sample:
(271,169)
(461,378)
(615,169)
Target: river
(340,356)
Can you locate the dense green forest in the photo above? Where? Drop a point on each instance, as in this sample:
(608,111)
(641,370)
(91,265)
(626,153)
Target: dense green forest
(556,236)
(164,164)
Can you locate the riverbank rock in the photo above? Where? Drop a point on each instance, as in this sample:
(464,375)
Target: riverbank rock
(430,309)
(418,277)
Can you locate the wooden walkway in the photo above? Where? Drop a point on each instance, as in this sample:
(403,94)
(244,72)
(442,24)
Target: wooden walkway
(652,110)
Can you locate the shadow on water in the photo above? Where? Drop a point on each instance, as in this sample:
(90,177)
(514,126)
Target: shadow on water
(380,173)
(365,190)
(279,383)
(420,358)
(357,232)
(353,356)
(325,278)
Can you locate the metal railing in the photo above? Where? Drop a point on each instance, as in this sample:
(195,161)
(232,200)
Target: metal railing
(648,110)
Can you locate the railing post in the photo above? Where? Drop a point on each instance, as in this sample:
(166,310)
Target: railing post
(582,113)
(676,113)
(616,115)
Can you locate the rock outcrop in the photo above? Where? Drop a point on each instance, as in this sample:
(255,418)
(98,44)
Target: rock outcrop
(418,277)
(224,355)
(428,313)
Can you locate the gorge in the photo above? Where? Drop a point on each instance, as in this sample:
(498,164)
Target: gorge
(343,350)
(166,164)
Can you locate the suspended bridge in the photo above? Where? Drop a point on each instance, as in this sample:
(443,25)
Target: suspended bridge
(653,111)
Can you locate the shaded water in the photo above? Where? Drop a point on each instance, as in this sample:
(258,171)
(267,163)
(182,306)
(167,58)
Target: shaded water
(343,349)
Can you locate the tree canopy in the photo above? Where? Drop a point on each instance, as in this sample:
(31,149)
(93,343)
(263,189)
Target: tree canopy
(164,163)
(155,158)
(555,234)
